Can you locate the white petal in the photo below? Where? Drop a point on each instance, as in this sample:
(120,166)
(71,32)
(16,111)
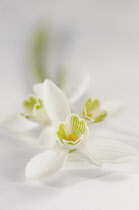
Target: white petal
(109,150)
(77,162)
(128,167)
(46,164)
(86,153)
(55,102)
(113,107)
(79,89)
(40,116)
(18,123)
(38,89)
(47,137)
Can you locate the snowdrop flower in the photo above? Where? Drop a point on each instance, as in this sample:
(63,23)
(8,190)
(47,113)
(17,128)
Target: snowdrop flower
(56,106)
(72,132)
(93,112)
(73,137)
(47,107)
(33,109)
(34,112)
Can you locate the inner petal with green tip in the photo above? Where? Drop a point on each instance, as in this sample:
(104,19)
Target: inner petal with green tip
(72,129)
(33,109)
(90,106)
(29,104)
(92,111)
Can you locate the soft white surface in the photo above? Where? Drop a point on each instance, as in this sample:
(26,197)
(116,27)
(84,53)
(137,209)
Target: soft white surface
(106,45)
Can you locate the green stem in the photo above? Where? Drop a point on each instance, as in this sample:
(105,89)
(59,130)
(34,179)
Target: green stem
(40,45)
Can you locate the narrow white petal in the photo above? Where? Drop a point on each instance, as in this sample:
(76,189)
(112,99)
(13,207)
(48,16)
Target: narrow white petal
(113,107)
(55,102)
(47,137)
(86,153)
(40,116)
(46,164)
(127,167)
(79,89)
(109,150)
(38,89)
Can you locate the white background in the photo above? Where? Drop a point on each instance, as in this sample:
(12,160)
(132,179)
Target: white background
(105,43)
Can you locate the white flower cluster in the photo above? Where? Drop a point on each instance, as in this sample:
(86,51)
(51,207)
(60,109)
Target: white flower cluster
(67,134)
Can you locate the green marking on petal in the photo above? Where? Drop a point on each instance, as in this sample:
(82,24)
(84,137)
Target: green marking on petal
(78,126)
(39,104)
(70,143)
(90,105)
(72,150)
(92,111)
(101,117)
(71,132)
(29,105)
(27,117)
(33,109)
(61,132)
